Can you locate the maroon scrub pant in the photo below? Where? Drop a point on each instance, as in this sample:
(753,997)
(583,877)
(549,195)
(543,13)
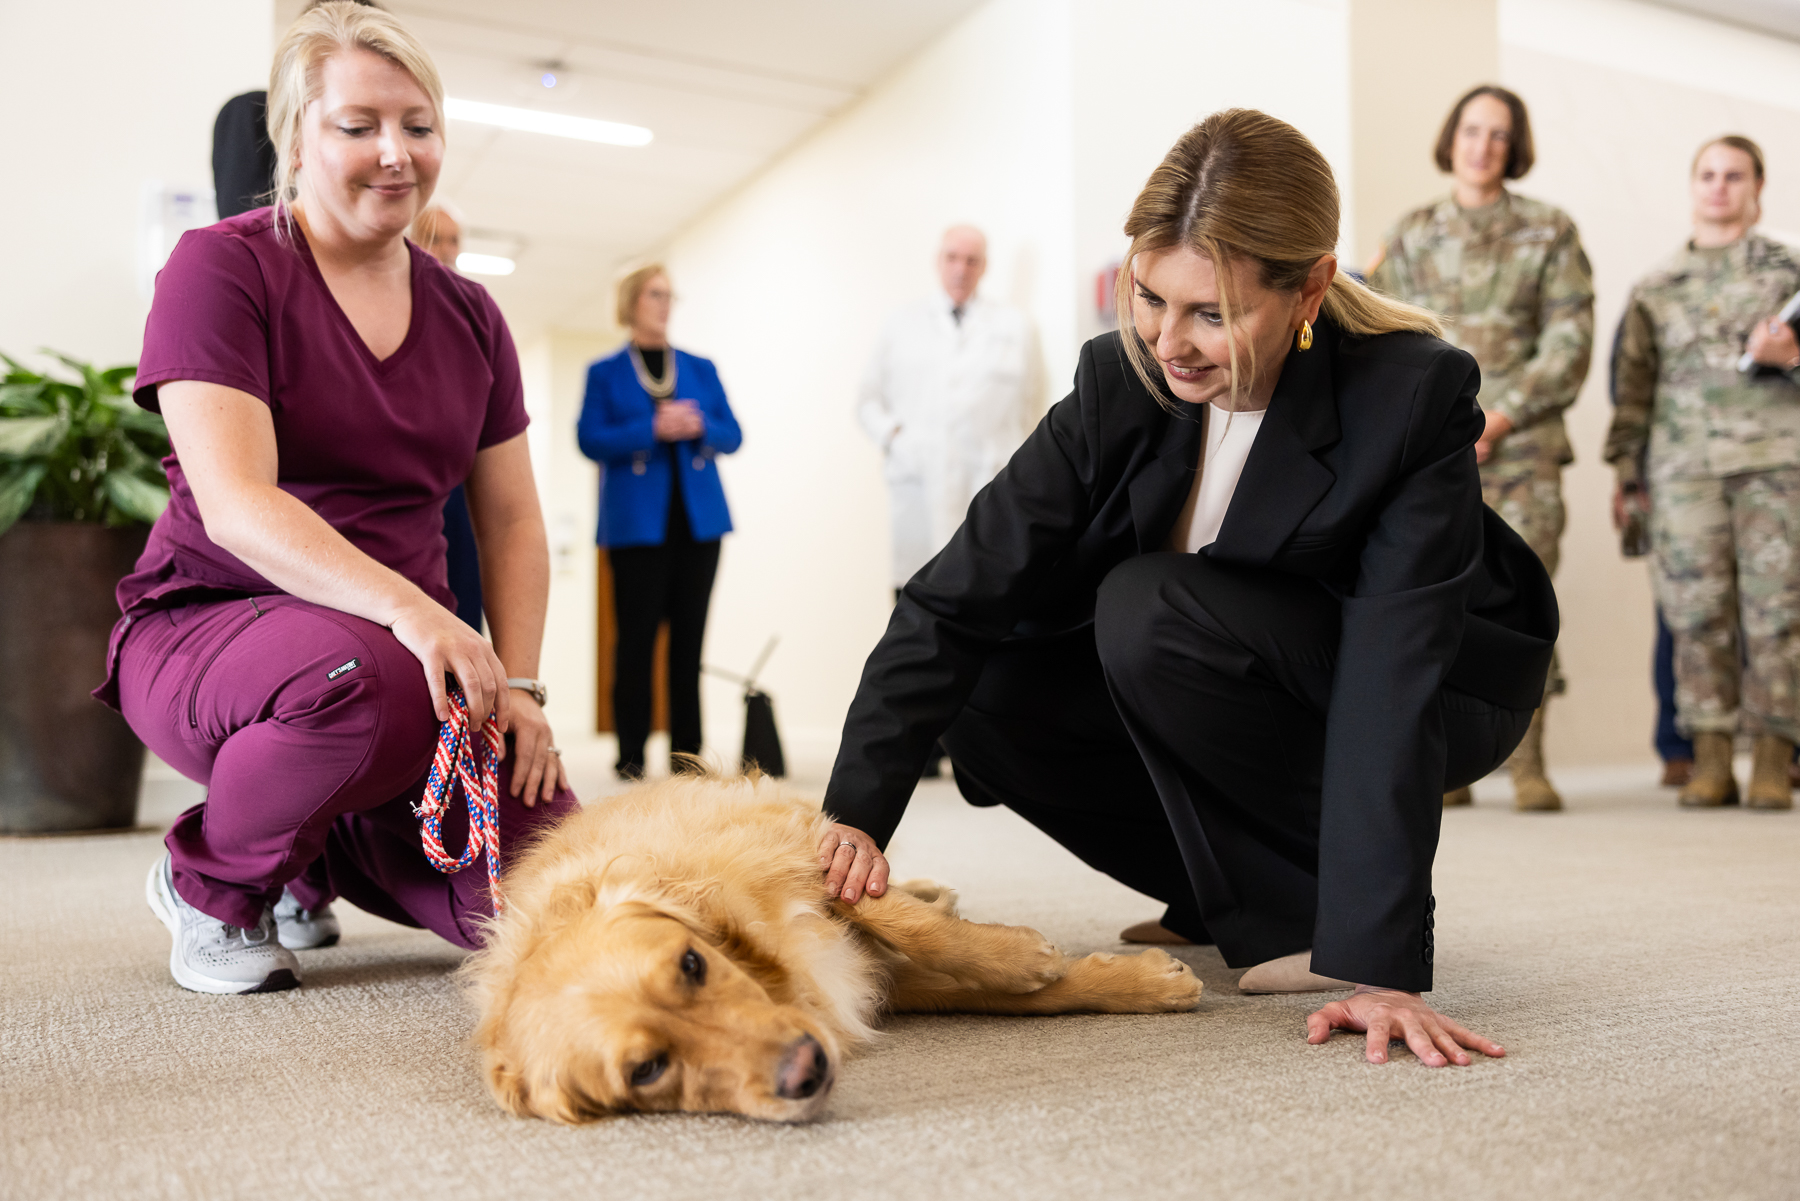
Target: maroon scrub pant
(313,732)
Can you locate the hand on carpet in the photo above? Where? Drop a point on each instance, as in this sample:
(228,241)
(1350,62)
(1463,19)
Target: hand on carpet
(1386,1014)
(852,863)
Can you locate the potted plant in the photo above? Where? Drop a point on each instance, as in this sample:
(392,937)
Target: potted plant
(80,481)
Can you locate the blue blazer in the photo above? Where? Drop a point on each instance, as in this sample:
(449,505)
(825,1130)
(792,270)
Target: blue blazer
(635,476)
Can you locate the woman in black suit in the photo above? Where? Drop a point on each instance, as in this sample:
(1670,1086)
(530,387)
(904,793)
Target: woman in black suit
(1258,734)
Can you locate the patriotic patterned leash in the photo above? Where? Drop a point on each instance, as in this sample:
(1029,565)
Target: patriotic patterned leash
(474,764)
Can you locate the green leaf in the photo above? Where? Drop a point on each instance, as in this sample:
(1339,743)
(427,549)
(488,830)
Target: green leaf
(21,436)
(114,377)
(143,421)
(135,496)
(24,400)
(90,379)
(18,484)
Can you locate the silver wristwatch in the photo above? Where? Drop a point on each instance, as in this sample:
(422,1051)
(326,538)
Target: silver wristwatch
(535,688)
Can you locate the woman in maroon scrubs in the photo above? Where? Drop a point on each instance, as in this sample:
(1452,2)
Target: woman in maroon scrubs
(287,634)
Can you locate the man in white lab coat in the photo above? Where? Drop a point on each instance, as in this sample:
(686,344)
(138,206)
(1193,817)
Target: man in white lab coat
(950,394)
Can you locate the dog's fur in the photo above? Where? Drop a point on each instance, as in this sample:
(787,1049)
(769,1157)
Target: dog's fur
(673,949)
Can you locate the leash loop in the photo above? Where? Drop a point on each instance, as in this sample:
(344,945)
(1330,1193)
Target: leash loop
(472,764)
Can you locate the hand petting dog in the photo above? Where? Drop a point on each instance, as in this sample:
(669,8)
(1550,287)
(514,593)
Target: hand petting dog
(853,864)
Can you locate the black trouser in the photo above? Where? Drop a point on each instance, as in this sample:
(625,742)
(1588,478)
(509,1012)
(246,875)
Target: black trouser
(652,584)
(1179,745)
(462,558)
(938,753)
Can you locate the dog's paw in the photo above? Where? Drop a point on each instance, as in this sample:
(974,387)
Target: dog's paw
(1152,981)
(1170,984)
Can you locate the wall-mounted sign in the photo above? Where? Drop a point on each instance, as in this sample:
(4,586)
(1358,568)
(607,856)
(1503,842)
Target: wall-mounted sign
(165,212)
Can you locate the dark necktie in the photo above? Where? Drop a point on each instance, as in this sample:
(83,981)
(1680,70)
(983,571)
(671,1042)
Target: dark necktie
(956,314)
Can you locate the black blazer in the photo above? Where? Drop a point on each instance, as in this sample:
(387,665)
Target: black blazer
(1363,477)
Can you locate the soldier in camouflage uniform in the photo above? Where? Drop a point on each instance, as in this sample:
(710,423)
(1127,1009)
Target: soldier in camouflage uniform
(1510,277)
(1716,451)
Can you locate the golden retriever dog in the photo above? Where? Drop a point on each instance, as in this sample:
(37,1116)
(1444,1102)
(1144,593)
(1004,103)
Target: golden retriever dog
(673,949)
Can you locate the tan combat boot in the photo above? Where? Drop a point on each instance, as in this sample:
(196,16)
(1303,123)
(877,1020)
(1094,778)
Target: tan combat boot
(1769,784)
(1712,784)
(1531,787)
(1459,796)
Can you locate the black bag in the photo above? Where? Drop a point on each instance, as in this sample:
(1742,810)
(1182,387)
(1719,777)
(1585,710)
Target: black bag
(762,742)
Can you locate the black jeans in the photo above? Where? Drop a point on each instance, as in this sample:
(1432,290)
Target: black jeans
(1195,704)
(652,584)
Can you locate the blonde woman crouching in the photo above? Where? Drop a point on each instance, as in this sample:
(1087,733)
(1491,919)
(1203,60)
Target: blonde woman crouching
(1234,618)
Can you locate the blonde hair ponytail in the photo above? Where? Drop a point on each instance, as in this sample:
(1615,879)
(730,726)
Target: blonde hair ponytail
(1245,185)
(1362,312)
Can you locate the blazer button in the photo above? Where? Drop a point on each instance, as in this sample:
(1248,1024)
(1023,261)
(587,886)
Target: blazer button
(699,463)
(638,468)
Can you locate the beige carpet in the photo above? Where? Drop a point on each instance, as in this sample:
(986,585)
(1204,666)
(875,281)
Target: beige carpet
(1641,964)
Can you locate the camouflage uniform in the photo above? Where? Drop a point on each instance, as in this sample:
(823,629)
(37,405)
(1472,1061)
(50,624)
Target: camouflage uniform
(1517,292)
(1719,452)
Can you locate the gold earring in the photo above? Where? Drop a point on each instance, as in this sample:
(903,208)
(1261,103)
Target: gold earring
(1303,339)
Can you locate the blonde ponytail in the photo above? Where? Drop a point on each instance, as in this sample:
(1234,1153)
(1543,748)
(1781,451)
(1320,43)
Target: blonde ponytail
(1360,311)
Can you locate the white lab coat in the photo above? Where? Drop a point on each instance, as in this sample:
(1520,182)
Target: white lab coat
(948,404)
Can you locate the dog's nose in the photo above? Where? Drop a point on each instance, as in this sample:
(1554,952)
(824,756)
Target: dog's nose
(804,1070)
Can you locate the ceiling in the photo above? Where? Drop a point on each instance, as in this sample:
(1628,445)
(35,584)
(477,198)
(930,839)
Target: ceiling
(1780,17)
(726,88)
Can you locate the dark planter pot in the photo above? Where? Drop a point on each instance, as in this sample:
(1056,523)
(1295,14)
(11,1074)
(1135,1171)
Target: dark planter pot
(67,762)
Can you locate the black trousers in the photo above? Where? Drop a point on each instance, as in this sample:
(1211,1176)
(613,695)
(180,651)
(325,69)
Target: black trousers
(652,584)
(1178,744)
(462,558)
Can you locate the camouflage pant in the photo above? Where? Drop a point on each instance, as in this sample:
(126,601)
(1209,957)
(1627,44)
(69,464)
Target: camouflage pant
(1528,497)
(1726,559)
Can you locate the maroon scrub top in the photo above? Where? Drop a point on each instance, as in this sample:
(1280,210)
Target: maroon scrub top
(373,446)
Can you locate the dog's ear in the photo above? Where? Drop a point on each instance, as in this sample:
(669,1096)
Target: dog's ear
(567,901)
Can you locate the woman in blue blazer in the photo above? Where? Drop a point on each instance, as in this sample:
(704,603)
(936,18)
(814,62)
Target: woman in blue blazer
(655,418)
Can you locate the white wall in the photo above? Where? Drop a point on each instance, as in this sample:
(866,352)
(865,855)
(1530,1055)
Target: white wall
(100,96)
(786,284)
(1145,71)
(1621,95)
(554,369)
(1410,61)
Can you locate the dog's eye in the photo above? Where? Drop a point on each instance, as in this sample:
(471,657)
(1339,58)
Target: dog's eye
(693,967)
(649,1071)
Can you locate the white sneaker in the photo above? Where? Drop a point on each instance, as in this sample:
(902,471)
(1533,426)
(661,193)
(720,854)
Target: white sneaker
(304,929)
(211,956)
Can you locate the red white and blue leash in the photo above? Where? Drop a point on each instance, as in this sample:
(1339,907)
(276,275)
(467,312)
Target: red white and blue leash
(474,764)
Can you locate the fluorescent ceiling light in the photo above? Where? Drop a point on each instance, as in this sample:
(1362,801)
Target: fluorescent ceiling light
(533,120)
(484,264)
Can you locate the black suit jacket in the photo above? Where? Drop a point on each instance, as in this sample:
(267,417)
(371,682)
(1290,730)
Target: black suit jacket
(1363,477)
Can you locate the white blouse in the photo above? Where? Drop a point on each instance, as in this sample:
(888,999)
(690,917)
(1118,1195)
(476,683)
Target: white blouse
(1229,437)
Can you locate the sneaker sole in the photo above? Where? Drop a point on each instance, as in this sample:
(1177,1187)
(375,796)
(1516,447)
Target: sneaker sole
(163,906)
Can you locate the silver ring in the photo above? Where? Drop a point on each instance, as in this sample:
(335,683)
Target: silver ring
(846,843)
(555,751)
